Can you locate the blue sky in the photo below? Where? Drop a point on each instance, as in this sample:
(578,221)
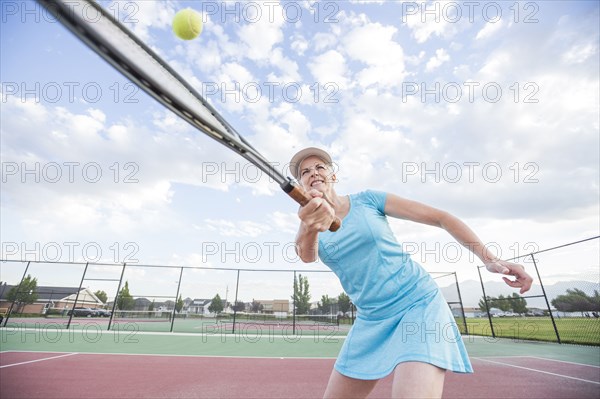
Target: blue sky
(488,110)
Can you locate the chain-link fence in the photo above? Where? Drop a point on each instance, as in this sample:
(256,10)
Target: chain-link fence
(190,299)
(448,281)
(563,304)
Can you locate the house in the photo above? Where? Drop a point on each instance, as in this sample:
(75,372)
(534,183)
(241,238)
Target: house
(142,304)
(186,304)
(275,306)
(53,297)
(198,306)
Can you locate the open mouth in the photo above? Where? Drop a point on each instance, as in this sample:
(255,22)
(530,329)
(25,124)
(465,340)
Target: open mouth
(316,183)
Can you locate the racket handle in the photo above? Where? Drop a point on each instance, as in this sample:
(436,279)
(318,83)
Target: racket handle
(301,197)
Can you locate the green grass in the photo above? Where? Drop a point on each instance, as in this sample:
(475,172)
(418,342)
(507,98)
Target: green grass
(576,330)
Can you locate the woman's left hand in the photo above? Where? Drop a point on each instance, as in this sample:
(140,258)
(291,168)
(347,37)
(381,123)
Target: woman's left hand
(522,279)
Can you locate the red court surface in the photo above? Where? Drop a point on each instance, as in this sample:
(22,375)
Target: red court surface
(74,375)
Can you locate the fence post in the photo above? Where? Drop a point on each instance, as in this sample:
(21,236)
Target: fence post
(462,309)
(176,299)
(12,303)
(77,296)
(545,298)
(487,306)
(112,313)
(294,307)
(237,284)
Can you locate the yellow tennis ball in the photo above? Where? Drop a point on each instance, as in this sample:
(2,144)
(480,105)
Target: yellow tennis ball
(187,24)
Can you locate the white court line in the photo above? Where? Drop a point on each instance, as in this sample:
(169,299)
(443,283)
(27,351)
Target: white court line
(177,355)
(320,334)
(564,361)
(537,371)
(38,360)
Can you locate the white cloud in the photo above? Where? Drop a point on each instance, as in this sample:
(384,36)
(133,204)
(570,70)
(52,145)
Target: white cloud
(580,53)
(367,1)
(261,36)
(496,66)
(330,67)
(207,56)
(285,124)
(119,135)
(423,31)
(232,80)
(322,41)
(244,228)
(298,125)
(489,30)
(141,16)
(32,111)
(287,67)
(284,222)
(232,72)
(373,44)
(96,175)
(299,44)
(462,71)
(441,56)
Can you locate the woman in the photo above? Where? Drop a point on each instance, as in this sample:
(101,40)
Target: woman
(404,325)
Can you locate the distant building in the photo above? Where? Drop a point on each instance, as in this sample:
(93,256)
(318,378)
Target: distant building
(141,304)
(53,297)
(198,306)
(271,306)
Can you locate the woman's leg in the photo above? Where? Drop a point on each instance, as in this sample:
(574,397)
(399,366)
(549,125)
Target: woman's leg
(340,386)
(418,380)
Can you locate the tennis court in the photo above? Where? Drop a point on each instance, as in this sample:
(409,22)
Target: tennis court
(163,321)
(91,362)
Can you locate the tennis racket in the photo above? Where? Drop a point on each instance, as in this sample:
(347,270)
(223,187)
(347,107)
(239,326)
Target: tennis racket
(129,55)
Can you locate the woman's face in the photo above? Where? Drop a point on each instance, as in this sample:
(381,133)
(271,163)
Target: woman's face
(314,173)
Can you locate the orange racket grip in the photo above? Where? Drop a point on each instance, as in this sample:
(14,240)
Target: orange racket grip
(301,197)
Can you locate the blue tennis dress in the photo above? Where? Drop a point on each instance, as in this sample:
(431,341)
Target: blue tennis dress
(402,315)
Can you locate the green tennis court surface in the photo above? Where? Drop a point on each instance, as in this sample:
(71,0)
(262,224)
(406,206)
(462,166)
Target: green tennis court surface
(269,343)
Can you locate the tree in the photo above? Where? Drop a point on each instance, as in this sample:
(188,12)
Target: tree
(301,295)
(239,306)
(101,295)
(179,304)
(482,306)
(125,300)
(517,303)
(596,301)
(216,305)
(324,304)
(256,307)
(151,306)
(576,300)
(24,293)
(501,303)
(513,302)
(344,302)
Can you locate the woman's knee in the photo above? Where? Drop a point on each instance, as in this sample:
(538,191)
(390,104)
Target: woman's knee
(340,386)
(418,380)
